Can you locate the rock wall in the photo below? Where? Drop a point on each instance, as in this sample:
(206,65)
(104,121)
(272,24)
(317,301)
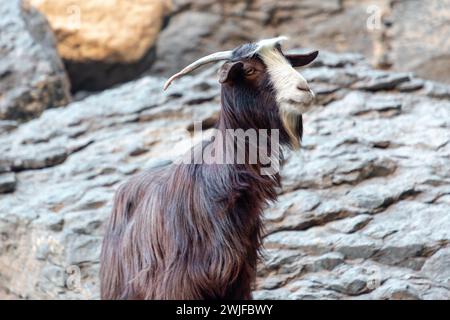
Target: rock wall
(406,35)
(363,212)
(106,42)
(32,76)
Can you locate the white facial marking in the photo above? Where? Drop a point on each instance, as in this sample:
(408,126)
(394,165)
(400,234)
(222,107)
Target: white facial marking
(292,92)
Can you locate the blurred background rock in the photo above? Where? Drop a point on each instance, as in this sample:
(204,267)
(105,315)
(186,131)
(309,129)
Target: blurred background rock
(410,35)
(32,76)
(364,211)
(105,42)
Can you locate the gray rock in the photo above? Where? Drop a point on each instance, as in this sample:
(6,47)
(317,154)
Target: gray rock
(7,182)
(437,90)
(412,85)
(83,248)
(372,197)
(382,105)
(352,224)
(397,290)
(412,46)
(384,32)
(333,60)
(32,76)
(335,76)
(436,267)
(40,159)
(362,214)
(7,126)
(327,261)
(381,81)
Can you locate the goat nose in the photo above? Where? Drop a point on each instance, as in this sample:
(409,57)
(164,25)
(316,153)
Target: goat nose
(303,87)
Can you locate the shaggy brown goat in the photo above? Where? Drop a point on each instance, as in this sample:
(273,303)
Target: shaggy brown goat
(193,231)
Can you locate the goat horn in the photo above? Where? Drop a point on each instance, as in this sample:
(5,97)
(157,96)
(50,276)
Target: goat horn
(218,56)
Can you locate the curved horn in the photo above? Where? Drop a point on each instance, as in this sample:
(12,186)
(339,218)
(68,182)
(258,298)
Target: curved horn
(218,56)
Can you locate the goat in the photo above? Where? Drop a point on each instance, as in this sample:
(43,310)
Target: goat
(193,231)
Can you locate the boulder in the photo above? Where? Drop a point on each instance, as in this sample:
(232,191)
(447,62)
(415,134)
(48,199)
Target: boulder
(105,42)
(32,76)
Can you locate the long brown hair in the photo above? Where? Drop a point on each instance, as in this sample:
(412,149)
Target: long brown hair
(193,231)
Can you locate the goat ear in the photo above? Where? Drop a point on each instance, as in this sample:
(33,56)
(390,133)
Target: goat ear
(229,71)
(299,60)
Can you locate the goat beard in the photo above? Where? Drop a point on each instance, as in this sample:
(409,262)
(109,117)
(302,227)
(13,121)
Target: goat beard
(293,124)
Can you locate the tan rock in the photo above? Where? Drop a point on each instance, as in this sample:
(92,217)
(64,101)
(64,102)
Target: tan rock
(113,31)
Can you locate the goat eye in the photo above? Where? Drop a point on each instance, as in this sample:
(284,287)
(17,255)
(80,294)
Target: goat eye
(249,71)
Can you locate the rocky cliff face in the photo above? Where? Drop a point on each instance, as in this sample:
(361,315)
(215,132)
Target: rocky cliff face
(32,76)
(106,42)
(363,212)
(406,35)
